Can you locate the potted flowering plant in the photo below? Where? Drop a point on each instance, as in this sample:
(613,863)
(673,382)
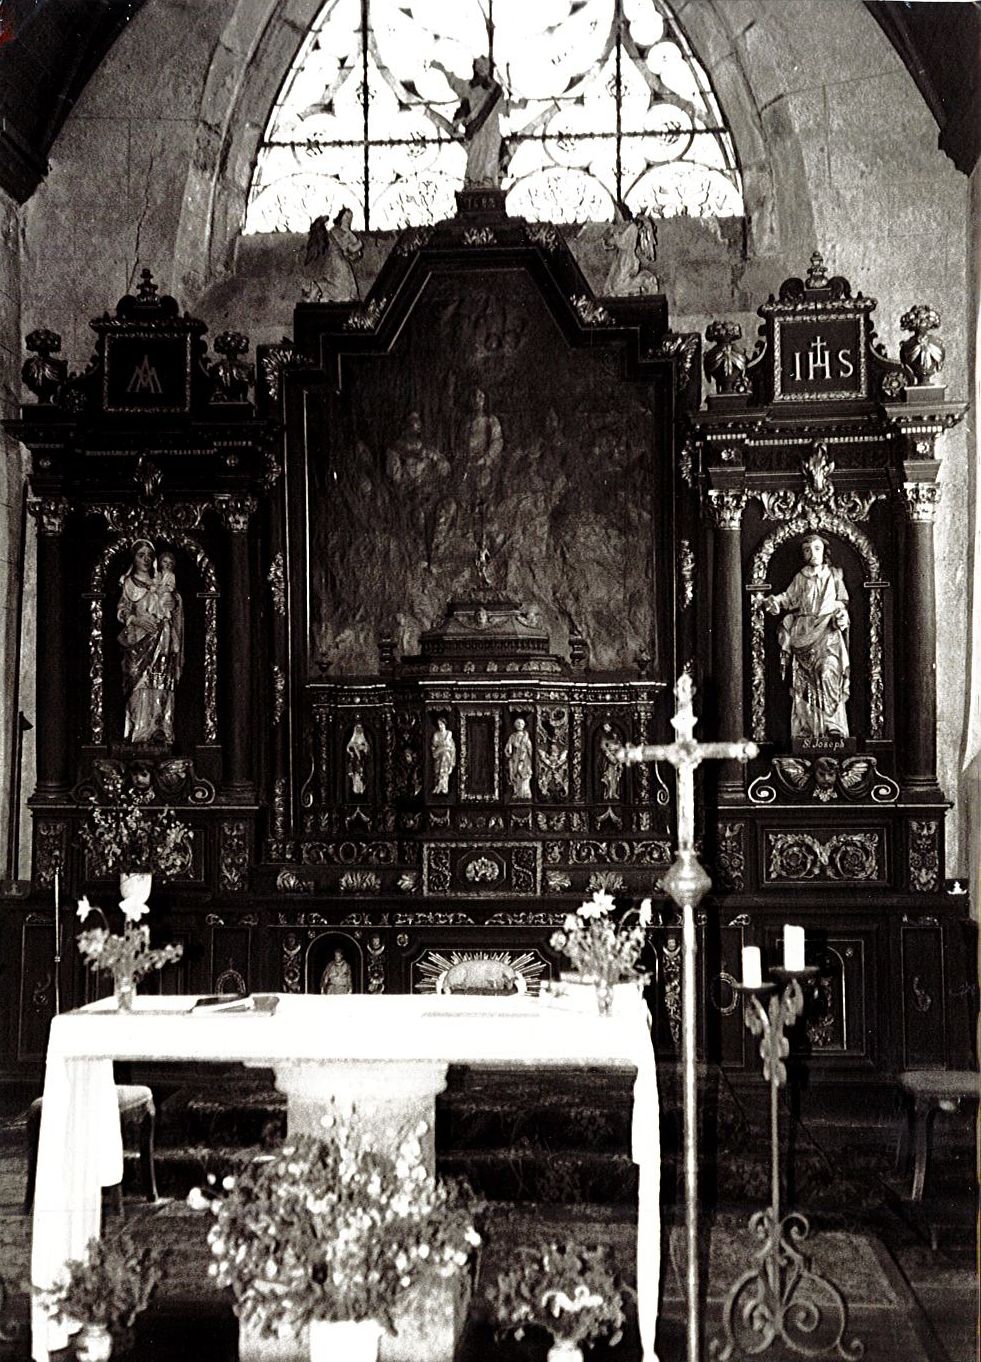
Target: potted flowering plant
(603,950)
(129,956)
(567,1289)
(104,1291)
(330,1233)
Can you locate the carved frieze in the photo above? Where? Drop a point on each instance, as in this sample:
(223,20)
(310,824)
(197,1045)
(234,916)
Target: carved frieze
(686,569)
(825,778)
(552,751)
(360,882)
(50,849)
(924,855)
(671,973)
(732,856)
(842,856)
(233,855)
(445,868)
(292,953)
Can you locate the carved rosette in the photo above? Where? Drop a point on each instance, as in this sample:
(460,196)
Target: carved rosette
(845,856)
(921,500)
(50,514)
(924,855)
(233,855)
(732,859)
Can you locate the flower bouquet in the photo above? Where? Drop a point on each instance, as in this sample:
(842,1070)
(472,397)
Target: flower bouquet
(127,957)
(603,950)
(131,835)
(104,1291)
(567,1289)
(332,1230)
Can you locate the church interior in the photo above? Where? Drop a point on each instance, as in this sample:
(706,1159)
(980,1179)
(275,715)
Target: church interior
(424,424)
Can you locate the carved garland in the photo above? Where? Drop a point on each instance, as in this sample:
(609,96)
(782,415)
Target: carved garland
(164,525)
(759,587)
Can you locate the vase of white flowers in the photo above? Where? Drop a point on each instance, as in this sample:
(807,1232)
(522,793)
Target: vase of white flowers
(570,1290)
(127,956)
(604,950)
(331,1231)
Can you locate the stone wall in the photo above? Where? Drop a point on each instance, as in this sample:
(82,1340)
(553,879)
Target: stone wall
(838,150)
(12,471)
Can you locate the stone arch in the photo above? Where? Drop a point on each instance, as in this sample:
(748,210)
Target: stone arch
(747,67)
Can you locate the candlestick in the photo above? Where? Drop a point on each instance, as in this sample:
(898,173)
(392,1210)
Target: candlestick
(752,967)
(793,948)
(781,1299)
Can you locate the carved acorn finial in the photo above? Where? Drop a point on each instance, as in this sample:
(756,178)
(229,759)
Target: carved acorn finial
(922,354)
(42,374)
(726,362)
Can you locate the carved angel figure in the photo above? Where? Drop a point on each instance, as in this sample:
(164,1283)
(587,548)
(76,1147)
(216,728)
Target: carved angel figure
(329,256)
(813,639)
(633,245)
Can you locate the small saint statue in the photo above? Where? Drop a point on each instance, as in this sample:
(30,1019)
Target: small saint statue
(813,637)
(329,259)
(517,752)
(336,978)
(357,756)
(444,757)
(612,768)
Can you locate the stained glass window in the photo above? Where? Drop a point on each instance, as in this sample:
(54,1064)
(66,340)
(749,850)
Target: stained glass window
(604,107)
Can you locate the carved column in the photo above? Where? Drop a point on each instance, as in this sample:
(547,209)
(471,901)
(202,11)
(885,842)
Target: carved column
(726,505)
(53,748)
(919,748)
(235,512)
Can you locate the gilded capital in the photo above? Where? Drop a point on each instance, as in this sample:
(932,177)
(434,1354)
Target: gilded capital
(922,500)
(50,514)
(726,506)
(235,512)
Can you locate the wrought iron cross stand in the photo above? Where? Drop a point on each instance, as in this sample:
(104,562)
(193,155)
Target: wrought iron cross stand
(687,883)
(781,1299)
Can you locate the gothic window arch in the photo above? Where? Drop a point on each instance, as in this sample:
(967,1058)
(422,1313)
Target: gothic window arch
(607,106)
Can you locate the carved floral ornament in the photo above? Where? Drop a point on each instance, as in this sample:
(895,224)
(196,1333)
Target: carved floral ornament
(235,512)
(50,514)
(921,501)
(727,506)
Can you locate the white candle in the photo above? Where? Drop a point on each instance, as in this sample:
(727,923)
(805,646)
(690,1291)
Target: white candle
(752,967)
(793,947)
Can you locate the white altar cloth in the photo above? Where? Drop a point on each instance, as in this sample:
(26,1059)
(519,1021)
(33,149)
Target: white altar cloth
(368,1044)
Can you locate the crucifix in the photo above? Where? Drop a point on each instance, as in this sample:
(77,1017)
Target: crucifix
(687,883)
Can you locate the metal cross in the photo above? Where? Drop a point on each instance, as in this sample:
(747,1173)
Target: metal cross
(687,883)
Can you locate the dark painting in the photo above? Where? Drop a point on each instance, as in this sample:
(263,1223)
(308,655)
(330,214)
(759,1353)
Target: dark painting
(483,455)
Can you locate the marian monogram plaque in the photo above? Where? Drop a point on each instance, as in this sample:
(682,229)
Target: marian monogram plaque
(147,373)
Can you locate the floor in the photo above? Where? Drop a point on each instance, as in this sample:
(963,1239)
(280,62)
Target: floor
(910,1272)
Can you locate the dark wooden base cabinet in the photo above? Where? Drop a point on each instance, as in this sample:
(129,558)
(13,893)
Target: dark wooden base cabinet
(894,989)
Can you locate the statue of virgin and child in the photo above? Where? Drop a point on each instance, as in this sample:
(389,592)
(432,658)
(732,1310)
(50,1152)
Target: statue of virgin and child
(151,613)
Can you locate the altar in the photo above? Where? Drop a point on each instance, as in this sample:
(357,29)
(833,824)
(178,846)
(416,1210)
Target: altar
(386,1056)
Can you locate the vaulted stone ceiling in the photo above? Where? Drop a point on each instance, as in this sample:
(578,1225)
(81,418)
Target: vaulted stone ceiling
(50,48)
